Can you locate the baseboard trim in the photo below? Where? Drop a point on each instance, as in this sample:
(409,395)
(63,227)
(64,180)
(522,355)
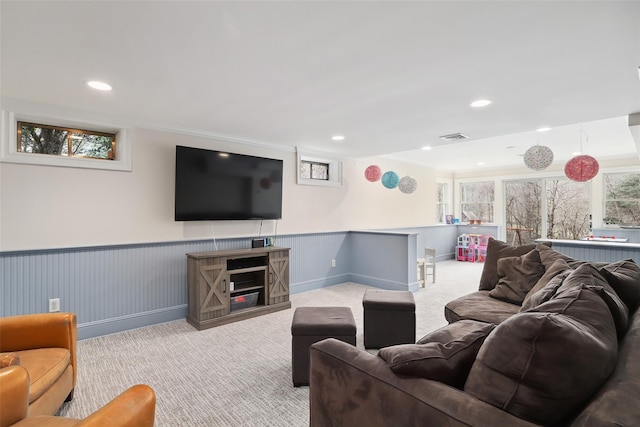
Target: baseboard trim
(124,323)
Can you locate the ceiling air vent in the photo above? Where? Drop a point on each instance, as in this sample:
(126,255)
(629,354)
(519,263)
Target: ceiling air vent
(454,137)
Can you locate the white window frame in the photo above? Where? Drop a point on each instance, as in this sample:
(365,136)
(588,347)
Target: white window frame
(335,169)
(9,143)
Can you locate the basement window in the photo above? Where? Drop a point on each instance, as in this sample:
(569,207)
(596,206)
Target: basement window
(44,139)
(40,138)
(319,170)
(314,170)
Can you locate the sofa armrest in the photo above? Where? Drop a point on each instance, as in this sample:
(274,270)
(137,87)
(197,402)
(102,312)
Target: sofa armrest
(14,394)
(135,407)
(41,330)
(349,386)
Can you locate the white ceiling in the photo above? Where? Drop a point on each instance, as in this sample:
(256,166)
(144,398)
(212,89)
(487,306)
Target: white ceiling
(390,76)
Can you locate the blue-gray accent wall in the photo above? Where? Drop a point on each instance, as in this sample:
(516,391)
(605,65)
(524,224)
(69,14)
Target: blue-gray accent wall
(119,287)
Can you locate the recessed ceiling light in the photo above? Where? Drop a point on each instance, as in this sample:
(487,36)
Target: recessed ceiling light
(99,85)
(543,129)
(337,137)
(426,148)
(480,163)
(480,103)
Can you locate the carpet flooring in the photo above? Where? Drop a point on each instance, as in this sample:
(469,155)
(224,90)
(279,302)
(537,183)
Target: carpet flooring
(237,374)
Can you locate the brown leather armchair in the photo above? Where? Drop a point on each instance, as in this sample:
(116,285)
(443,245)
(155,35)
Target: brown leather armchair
(135,407)
(45,346)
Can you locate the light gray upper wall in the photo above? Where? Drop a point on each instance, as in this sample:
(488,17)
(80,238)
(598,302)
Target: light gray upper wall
(56,207)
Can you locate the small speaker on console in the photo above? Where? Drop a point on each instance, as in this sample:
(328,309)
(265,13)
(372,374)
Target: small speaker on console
(257,243)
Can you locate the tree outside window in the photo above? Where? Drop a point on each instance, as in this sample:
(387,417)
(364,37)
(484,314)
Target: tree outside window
(547,208)
(54,140)
(477,198)
(622,199)
(441,205)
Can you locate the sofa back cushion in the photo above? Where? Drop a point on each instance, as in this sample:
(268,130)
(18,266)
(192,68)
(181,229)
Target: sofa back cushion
(624,277)
(588,275)
(497,249)
(546,293)
(558,267)
(517,275)
(544,364)
(444,355)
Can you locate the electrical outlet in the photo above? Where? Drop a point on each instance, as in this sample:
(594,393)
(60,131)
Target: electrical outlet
(333,263)
(54,305)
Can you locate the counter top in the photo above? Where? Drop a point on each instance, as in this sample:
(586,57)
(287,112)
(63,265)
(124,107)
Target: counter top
(618,244)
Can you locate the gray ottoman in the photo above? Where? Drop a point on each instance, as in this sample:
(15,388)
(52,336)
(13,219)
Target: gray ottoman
(389,318)
(313,324)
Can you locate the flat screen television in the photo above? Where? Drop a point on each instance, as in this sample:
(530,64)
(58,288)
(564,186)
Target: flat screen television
(215,185)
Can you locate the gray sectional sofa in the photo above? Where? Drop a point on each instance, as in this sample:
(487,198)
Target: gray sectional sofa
(546,340)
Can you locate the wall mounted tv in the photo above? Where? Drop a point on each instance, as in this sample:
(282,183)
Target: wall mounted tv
(215,185)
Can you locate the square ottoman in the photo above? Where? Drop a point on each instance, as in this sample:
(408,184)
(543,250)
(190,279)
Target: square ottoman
(389,318)
(313,324)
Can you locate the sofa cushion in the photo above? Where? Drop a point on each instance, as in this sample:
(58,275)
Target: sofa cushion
(479,306)
(546,293)
(616,402)
(497,249)
(544,364)
(588,275)
(559,266)
(45,366)
(517,275)
(624,277)
(445,355)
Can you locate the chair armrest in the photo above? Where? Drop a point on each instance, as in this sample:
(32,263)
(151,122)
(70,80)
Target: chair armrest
(349,386)
(135,407)
(14,394)
(41,330)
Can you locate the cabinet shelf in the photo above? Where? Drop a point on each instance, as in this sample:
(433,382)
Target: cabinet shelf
(240,289)
(246,270)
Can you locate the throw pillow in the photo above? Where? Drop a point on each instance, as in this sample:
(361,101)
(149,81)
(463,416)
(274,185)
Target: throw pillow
(559,266)
(624,277)
(544,365)
(8,359)
(445,355)
(497,249)
(517,276)
(546,293)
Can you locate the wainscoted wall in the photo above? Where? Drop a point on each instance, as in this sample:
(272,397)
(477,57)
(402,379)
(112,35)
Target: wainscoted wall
(118,287)
(632,234)
(598,251)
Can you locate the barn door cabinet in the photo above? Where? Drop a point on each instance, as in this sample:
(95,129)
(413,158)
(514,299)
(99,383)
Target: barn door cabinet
(227,286)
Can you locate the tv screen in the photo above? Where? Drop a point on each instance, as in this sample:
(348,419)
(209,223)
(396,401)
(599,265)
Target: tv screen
(219,185)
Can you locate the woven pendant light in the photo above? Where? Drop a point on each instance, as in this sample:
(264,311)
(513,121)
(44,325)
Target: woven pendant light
(390,179)
(581,168)
(407,185)
(373,173)
(538,157)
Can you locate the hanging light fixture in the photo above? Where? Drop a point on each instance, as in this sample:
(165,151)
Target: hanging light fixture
(583,167)
(538,157)
(373,173)
(407,184)
(390,179)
